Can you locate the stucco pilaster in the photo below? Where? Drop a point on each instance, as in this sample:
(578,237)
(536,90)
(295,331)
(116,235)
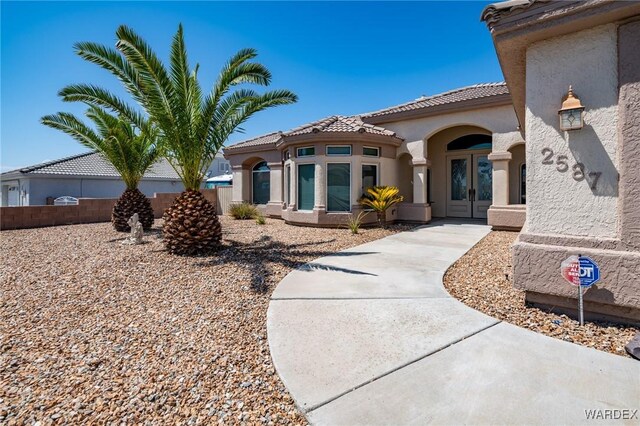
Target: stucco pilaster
(275,183)
(420,167)
(500,183)
(238,184)
(319,203)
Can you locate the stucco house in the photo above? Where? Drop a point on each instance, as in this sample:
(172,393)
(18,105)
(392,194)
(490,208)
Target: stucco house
(437,150)
(86,175)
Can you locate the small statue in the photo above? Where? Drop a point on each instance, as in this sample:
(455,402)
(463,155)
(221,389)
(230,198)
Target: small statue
(136,231)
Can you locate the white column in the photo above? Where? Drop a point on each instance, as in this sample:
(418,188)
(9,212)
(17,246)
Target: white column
(500,184)
(319,190)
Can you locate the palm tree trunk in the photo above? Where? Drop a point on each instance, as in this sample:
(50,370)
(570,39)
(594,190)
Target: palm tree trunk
(132,201)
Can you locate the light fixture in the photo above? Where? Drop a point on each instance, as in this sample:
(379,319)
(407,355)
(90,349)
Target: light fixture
(572,112)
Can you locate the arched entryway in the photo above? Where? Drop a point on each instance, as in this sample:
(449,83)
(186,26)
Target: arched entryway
(517,175)
(461,172)
(260,183)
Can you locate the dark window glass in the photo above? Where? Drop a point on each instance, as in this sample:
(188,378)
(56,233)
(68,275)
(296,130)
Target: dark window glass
(470,142)
(261,183)
(523,184)
(339,150)
(369,177)
(306,186)
(371,152)
(338,187)
(306,152)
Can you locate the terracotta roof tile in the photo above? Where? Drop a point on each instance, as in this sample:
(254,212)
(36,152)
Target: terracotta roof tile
(339,124)
(270,138)
(476,91)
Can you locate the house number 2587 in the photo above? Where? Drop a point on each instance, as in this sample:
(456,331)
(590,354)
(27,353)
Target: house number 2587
(562,166)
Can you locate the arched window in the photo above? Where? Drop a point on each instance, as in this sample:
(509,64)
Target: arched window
(261,175)
(470,142)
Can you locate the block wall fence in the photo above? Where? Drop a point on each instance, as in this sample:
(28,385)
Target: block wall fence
(91,210)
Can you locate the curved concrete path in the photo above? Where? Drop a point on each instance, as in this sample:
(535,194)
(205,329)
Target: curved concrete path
(370,336)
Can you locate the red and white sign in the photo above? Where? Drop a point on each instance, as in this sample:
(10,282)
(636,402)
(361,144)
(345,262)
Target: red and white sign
(570,269)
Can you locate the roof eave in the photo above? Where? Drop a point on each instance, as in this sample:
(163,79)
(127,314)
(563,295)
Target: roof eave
(485,102)
(251,148)
(344,137)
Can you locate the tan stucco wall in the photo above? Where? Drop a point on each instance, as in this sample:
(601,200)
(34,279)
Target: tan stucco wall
(517,160)
(558,203)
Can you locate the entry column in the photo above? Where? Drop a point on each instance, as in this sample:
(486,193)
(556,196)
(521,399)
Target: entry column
(500,183)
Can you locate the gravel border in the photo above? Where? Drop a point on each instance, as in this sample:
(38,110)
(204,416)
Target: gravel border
(479,280)
(93,331)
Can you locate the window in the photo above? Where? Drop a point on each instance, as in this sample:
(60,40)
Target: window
(287,184)
(306,186)
(470,142)
(523,184)
(261,183)
(224,167)
(306,151)
(369,176)
(371,152)
(338,187)
(339,150)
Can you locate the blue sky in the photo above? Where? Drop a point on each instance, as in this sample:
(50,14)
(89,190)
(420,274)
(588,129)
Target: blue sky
(338,57)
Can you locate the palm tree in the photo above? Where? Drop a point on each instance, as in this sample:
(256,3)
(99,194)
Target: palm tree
(129,150)
(194,126)
(380,198)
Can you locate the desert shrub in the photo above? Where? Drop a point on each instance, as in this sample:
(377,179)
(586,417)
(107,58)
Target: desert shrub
(354,222)
(379,199)
(243,211)
(260,219)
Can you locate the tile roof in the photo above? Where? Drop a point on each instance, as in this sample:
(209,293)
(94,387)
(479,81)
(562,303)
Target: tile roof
(333,124)
(477,91)
(93,164)
(339,124)
(269,138)
(493,12)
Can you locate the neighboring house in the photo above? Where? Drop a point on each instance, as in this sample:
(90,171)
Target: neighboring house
(86,175)
(583,184)
(436,150)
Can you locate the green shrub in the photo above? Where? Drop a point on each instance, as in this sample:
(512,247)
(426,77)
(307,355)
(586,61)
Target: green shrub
(243,211)
(354,222)
(260,219)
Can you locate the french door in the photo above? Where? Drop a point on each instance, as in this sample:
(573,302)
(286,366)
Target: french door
(469,185)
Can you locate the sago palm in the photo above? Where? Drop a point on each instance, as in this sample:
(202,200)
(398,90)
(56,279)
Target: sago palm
(130,150)
(194,126)
(379,199)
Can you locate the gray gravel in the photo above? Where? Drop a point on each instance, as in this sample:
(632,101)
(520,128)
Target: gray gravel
(494,295)
(92,331)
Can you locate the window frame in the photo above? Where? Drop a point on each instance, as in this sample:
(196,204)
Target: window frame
(307,155)
(377,148)
(326,187)
(326,150)
(297,188)
(253,172)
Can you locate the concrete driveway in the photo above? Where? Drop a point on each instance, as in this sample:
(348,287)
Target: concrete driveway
(370,336)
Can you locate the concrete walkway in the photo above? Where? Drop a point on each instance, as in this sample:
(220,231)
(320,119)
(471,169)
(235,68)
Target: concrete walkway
(370,336)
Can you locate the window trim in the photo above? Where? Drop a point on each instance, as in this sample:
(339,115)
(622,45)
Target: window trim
(297,188)
(287,185)
(305,147)
(377,148)
(326,187)
(252,184)
(326,150)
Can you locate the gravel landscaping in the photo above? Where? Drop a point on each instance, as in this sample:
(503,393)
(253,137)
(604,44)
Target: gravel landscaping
(95,331)
(479,279)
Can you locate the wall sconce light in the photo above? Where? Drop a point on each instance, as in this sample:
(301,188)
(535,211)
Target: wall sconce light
(571,113)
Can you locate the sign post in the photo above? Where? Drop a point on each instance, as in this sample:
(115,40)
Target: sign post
(582,272)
